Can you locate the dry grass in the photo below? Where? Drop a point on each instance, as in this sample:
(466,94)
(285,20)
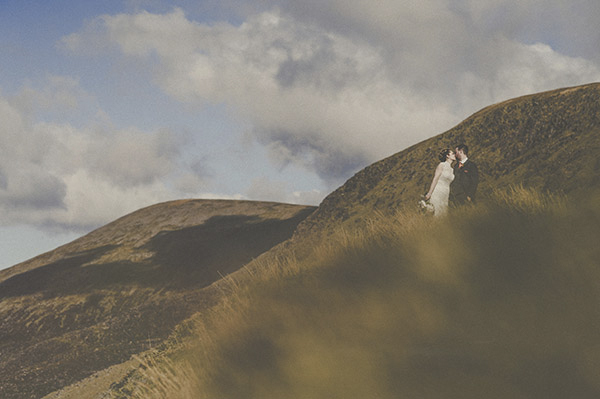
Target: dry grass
(495,301)
(166,378)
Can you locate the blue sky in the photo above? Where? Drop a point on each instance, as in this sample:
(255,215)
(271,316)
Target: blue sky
(110,106)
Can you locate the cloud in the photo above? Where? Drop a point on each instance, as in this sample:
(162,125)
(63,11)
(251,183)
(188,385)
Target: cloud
(312,97)
(325,85)
(569,27)
(335,85)
(56,174)
(131,157)
(59,94)
(32,189)
(263,189)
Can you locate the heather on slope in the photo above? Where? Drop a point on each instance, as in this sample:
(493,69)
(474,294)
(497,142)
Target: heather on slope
(495,301)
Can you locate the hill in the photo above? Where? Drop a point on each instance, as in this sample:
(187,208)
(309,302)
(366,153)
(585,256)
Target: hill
(373,309)
(547,141)
(499,301)
(123,288)
(496,301)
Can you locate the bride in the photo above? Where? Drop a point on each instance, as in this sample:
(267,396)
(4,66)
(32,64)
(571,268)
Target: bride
(440,186)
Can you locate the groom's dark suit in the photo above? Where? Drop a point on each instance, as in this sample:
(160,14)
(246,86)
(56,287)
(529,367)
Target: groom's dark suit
(466,178)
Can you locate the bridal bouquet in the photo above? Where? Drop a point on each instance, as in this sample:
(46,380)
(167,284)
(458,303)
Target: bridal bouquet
(426,206)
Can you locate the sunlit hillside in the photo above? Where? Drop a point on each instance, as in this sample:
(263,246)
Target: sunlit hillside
(123,288)
(495,301)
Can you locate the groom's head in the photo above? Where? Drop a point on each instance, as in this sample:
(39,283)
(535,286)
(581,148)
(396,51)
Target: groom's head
(462,151)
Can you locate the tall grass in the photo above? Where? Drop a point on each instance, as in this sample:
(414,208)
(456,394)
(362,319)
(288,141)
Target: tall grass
(494,301)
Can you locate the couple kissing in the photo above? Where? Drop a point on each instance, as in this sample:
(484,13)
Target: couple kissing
(453,185)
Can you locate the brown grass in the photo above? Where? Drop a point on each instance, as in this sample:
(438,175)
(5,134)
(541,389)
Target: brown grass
(494,301)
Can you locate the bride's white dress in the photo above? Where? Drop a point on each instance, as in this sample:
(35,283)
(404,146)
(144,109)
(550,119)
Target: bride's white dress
(441,192)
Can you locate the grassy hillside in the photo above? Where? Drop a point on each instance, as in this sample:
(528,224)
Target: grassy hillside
(547,141)
(499,301)
(123,288)
(373,299)
(369,299)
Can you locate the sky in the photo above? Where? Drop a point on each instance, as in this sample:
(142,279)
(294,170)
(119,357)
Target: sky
(110,106)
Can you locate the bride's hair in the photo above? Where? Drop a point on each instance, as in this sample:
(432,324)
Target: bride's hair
(444,154)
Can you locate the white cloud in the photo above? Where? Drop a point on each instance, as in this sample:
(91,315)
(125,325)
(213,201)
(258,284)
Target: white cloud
(92,202)
(326,85)
(131,157)
(312,197)
(526,69)
(56,174)
(263,189)
(313,97)
(335,85)
(569,27)
(536,67)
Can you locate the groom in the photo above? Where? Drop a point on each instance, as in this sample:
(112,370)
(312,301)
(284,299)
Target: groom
(466,178)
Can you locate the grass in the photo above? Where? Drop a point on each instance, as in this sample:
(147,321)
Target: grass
(548,141)
(495,301)
(87,306)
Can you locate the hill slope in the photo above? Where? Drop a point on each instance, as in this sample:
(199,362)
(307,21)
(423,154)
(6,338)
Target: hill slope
(497,301)
(139,272)
(548,141)
(122,288)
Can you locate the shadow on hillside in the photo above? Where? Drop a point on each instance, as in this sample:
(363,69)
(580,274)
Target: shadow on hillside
(200,255)
(55,277)
(191,257)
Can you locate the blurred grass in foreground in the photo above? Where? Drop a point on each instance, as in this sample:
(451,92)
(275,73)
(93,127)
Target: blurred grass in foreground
(500,300)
